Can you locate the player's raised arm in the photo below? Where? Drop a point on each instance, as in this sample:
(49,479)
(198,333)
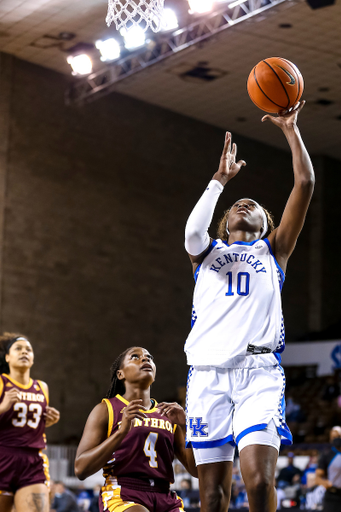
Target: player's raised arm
(283,239)
(197,239)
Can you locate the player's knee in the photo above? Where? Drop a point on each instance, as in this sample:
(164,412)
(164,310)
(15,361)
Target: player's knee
(260,485)
(216,499)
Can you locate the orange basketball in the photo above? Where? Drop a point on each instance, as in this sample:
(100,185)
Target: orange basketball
(275,84)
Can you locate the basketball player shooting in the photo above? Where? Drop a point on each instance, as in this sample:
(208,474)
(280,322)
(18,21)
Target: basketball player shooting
(236,384)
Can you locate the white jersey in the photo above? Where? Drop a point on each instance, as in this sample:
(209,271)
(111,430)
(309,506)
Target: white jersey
(237,314)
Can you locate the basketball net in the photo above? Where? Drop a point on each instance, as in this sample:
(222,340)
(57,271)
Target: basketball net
(129,13)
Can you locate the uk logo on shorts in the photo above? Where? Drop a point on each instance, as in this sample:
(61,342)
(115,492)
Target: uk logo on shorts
(197,427)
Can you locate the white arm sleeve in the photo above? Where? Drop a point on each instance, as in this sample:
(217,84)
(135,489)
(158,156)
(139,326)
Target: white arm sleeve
(196,236)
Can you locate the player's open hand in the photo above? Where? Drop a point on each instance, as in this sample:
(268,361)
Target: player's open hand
(51,416)
(173,411)
(228,166)
(132,411)
(11,397)
(286,118)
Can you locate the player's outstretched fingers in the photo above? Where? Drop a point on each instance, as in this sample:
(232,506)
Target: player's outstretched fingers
(227,144)
(267,117)
(298,107)
(241,163)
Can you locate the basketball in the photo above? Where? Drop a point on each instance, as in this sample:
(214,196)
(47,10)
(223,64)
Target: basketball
(275,84)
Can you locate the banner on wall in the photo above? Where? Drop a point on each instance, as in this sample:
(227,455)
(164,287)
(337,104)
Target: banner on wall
(325,354)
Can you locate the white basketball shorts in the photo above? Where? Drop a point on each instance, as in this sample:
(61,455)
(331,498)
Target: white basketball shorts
(224,405)
(268,437)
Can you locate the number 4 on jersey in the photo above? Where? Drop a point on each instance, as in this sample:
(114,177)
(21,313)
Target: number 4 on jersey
(149,449)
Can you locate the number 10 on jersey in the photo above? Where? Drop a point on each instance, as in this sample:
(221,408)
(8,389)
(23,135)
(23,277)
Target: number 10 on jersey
(243,284)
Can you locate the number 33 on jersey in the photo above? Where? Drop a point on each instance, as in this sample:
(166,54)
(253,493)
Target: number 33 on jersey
(148,448)
(23,424)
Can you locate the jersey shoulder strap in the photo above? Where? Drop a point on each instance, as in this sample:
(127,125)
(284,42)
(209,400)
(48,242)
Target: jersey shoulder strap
(110,414)
(44,390)
(1,385)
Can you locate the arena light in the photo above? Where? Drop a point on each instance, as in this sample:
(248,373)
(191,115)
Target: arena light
(134,37)
(200,6)
(81,64)
(109,49)
(169,21)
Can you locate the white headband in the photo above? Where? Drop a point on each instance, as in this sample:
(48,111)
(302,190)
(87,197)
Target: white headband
(265,220)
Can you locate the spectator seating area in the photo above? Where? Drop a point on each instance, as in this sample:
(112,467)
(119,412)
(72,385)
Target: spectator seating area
(313,404)
(299,492)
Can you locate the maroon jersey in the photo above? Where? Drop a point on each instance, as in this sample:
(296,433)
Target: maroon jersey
(23,424)
(148,448)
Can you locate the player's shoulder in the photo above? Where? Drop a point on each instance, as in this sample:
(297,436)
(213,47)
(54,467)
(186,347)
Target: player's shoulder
(116,400)
(4,382)
(217,242)
(115,404)
(98,417)
(40,385)
(215,245)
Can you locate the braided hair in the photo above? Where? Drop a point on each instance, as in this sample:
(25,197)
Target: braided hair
(117,386)
(6,341)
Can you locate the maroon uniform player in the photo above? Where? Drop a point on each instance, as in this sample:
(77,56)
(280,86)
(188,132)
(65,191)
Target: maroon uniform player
(134,440)
(24,414)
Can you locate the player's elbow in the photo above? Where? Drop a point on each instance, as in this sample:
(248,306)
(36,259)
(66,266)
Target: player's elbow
(307,181)
(80,475)
(196,241)
(306,185)
(80,470)
(192,232)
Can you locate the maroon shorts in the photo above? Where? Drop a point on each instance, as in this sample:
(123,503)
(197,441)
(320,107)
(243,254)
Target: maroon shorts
(20,467)
(127,492)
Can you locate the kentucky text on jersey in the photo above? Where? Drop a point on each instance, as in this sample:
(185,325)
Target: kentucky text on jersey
(234,257)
